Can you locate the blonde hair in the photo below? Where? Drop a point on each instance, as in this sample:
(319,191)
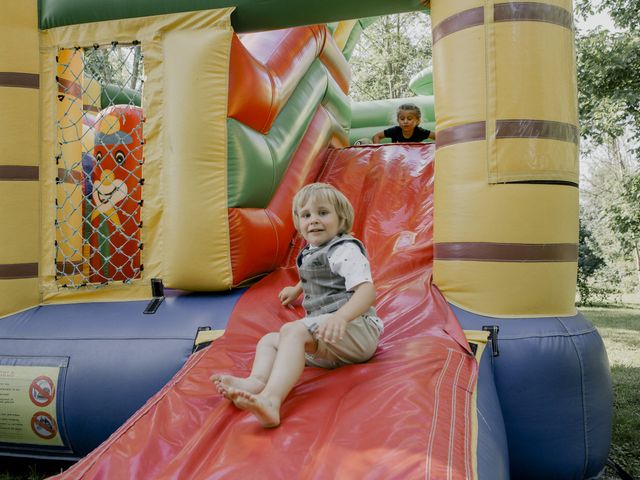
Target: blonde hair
(409,107)
(324,192)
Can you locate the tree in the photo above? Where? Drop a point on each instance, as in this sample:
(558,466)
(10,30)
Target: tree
(609,72)
(624,216)
(390,52)
(609,84)
(608,65)
(115,65)
(607,205)
(625,13)
(589,262)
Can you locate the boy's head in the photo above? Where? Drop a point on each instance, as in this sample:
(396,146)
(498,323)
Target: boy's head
(409,108)
(324,193)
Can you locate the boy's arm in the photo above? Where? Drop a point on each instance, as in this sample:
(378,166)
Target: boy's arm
(378,137)
(432,135)
(334,327)
(289,294)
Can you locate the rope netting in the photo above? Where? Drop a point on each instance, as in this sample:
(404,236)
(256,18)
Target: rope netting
(99,159)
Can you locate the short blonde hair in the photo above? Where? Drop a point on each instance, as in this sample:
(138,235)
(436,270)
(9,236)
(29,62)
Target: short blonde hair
(328,193)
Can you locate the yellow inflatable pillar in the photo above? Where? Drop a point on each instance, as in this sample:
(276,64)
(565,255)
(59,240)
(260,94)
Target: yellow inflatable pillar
(19,156)
(70,263)
(506,200)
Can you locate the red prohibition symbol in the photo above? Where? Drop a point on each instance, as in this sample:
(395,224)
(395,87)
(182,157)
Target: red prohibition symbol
(43,425)
(42,391)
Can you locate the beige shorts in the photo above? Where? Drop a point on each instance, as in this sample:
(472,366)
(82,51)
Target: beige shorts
(358,344)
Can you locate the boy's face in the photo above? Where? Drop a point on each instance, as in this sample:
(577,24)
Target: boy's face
(318,222)
(407,121)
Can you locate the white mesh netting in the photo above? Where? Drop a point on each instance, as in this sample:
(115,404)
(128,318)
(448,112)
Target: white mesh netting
(99,159)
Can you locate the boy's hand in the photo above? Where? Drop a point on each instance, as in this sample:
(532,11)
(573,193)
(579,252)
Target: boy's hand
(288,295)
(332,329)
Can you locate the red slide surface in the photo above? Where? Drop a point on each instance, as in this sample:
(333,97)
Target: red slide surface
(405,414)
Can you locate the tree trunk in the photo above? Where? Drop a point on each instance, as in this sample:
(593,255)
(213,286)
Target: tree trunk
(637,252)
(137,57)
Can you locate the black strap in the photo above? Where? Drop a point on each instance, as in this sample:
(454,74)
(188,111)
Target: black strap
(622,473)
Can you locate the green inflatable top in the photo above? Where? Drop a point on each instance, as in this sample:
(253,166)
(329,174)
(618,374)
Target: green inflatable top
(250,15)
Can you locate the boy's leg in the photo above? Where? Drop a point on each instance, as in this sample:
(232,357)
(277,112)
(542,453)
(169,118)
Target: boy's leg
(287,368)
(262,365)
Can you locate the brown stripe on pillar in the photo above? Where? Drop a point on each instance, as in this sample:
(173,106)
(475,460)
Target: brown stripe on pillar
(465,19)
(532,12)
(506,252)
(468,132)
(524,128)
(19,173)
(11,271)
(68,87)
(90,108)
(21,80)
(70,176)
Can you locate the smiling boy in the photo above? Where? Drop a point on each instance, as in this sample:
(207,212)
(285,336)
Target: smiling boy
(341,326)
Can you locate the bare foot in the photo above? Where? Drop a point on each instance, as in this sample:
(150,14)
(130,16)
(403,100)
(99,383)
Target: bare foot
(224,382)
(267,414)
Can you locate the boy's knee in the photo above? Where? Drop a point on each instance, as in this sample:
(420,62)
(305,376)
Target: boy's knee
(293,329)
(269,338)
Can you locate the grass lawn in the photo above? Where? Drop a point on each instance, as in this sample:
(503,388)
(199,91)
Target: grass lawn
(619,327)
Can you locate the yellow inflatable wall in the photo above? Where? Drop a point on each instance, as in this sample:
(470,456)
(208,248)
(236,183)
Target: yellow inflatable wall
(19,156)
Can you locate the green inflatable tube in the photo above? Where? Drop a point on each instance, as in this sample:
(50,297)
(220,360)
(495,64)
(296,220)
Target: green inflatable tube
(249,15)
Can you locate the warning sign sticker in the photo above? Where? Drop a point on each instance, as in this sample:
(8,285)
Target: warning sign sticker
(28,402)
(43,425)
(41,391)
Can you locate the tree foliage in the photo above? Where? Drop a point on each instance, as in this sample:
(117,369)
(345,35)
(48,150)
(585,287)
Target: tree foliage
(610,210)
(624,215)
(115,65)
(390,52)
(590,260)
(625,13)
(608,84)
(609,108)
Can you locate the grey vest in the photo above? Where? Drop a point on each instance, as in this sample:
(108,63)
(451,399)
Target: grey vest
(324,291)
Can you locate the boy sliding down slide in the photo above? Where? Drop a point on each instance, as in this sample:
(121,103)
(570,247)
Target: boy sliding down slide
(341,326)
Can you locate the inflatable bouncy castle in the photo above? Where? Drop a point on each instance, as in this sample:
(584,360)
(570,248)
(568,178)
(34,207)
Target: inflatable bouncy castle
(146,231)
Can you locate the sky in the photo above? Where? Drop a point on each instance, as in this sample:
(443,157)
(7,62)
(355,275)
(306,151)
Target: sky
(600,19)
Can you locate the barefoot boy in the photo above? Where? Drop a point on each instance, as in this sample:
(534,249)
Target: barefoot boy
(341,326)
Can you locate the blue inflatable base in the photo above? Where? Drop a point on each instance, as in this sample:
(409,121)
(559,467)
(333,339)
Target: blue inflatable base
(110,357)
(553,385)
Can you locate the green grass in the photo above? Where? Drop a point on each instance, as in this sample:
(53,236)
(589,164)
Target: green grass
(619,327)
(620,330)
(29,469)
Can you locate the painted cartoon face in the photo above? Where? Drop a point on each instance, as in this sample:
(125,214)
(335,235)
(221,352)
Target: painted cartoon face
(116,188)
(408,121)
(319,222)
(108,191)
(118,141)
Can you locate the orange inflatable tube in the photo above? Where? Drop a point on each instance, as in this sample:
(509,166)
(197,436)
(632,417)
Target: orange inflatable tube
(265,68)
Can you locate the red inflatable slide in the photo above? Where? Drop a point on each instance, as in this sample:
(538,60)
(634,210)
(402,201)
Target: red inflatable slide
(408,413)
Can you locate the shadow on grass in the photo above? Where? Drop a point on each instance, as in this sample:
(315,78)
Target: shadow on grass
(13,468)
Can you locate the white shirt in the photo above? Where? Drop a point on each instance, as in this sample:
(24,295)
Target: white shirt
(348,261)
